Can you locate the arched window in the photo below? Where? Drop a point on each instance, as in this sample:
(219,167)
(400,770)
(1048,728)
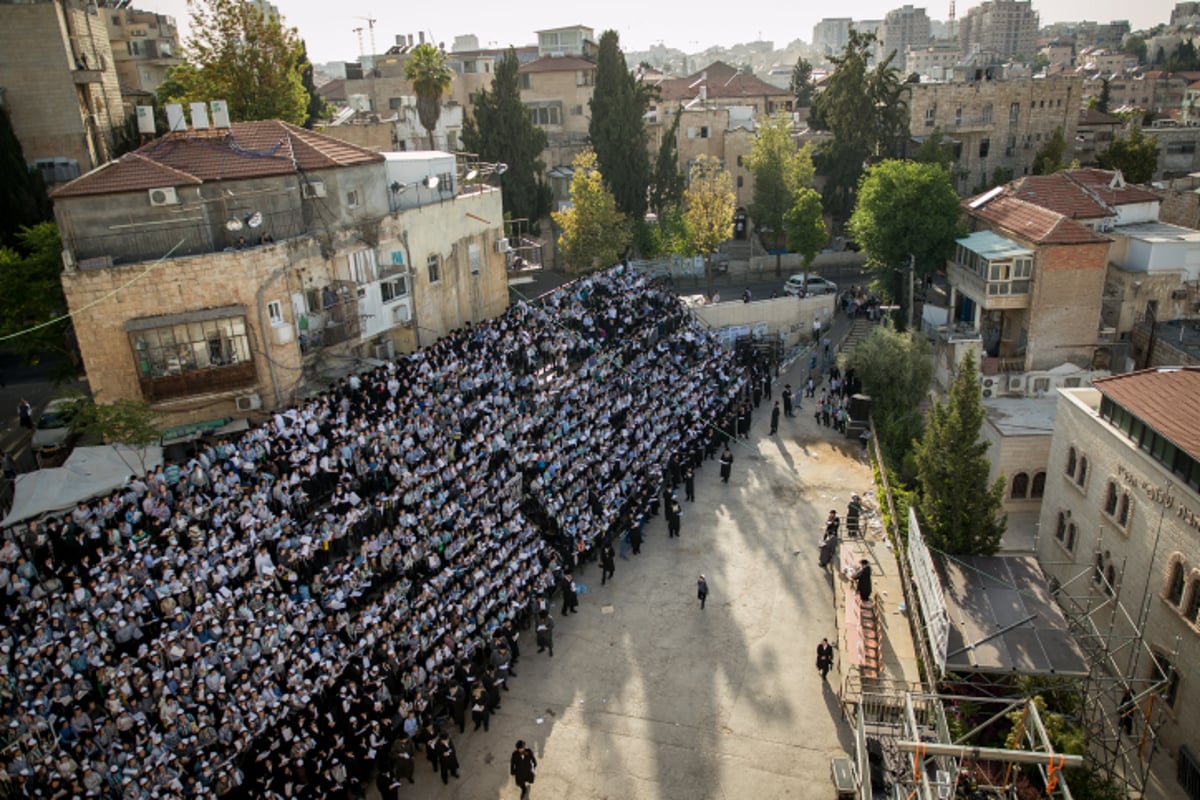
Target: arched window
(1039,485)
(1060,532)
(1110,498)
(1072,460)
(1020,486)
(1123,510)
(1175,584)
(1082,476)
(1071,537)
(1192,612)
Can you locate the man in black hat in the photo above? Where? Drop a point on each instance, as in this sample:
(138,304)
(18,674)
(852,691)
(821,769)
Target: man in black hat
(522,766)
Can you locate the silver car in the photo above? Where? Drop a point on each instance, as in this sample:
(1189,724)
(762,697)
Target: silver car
(52,433)
(816,285)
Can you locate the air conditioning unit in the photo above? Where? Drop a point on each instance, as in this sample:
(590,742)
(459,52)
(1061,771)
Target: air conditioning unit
(502,245)
(312,189)
(988,383)
(401,315)
(1016,384)
(987,392)
(384,351)
(165,196)
(249,402)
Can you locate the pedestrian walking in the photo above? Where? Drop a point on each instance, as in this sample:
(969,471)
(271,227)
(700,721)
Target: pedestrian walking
(775,418)
(702,590)
(8,466)
(545,632)
(608,563)
(689,484)
(862,580)
(481,712)
(447,757)
(824,658)
(674,516)
(25,414)
(832,524)
(570,595)
(726,467)
(787,400)
(522,766)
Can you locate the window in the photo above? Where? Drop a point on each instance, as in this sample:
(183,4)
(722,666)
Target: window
(434,265)
(739,161)
(1020,486)
(1072,532)
(1014,113)
(469,67)
(526,83)
(393,289)
(739,181)
(577,111)
(1072,461)
(1060,532)
(585,77)
(1038,489)
(1192,611)
(545,115)
(1083,468)
(1181,148)
(1164,671)
(987,114)
(985,145)
(193,355)
(395,103)
(1123,510)
(362,266)
(134,47)
(1174,593)
(931,116)
(1110,498)
(275,313)
(353,199)
(474,257)
(958,116)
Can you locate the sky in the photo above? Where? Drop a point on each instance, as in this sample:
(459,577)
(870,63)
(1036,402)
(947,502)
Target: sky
(328,28)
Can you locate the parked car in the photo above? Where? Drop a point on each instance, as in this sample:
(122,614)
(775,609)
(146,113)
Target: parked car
(816,284)
(52,434)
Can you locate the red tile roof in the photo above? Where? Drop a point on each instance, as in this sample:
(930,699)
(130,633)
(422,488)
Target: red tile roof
(1168,400)
(246,150)
(722,82)
(1032,222)
(557,64)
(1099,180)
(1059,193)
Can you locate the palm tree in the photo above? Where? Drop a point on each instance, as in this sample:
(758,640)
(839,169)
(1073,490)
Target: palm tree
(430,76)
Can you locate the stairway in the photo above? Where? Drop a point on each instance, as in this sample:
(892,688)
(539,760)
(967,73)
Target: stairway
(859,330)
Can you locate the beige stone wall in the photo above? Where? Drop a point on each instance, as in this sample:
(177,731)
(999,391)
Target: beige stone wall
(1011,455)
(788,315)
(1126,295)
(1064,312)
(566,139)
(1161,528)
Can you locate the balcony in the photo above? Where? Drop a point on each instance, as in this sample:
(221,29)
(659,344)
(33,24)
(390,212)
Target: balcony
(990,295)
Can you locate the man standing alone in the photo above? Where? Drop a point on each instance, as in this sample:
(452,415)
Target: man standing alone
(608,564)
(824,657)
(726,465)
(702,590)
(522,766)
(787,400)
(775,418)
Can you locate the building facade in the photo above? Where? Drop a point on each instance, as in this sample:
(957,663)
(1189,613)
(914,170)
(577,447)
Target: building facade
(144,46)
(903,28)
(60,85)
(213,272)
(831,35)
(1007,28)
(1120,521)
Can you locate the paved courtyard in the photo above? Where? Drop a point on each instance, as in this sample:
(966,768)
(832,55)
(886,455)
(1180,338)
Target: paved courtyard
(648,696)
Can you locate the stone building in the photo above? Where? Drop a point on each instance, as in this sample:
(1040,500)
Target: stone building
(1007,28)
(144,46)
(994,123)
(557,91)
(902,28)
(213,272)
(831,35)
(58,81)
(1120,522)
(934,60)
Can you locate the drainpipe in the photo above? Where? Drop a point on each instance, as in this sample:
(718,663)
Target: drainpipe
(262,329)
(412,289)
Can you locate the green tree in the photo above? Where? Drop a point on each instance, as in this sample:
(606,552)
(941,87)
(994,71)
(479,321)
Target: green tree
(959,510)
(430,75)
(907,213)
(618,129)
(780,170)
(23,200)
(317,110)
(866,111)
(129,422)
(896,370)
(936,149)
(32,305)
(801,83)
(237,53)
(805,225)
(709,203)
(1049,157)
(594,232)
(1135,45)
(1101,101)
(666,191)
(1136,155)
(501,132)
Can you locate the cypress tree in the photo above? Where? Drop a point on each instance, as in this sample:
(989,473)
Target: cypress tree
(618,129)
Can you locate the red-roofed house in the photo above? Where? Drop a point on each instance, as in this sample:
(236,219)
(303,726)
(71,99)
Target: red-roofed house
(208,270)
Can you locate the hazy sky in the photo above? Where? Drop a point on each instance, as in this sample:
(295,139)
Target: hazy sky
(328,27)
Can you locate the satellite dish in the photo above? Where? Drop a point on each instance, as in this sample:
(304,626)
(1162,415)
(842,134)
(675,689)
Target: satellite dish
(501,168)
(255,219)
(432,182)
(471,175)
(233,224)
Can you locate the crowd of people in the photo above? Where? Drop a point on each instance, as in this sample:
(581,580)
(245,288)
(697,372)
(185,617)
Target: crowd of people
(293,611)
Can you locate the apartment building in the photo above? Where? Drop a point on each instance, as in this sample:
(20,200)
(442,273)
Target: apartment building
(1006,28)
(144,45)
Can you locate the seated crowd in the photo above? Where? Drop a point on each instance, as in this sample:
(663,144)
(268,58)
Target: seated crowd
(286,613)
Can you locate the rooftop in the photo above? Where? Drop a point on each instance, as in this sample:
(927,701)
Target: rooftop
(244,150)
(720,81)
(992,245)
(557,64)
(1159,232)
(1167,399)
(1032,221)
(1021,416)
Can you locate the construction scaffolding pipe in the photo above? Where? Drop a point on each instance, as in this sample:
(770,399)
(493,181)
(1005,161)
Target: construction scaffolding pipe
(1059,760)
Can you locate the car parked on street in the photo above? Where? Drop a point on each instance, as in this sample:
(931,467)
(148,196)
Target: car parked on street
(52,434)
(816,284)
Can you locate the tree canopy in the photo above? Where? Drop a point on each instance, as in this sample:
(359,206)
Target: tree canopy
(428,70)
(959,510)
(801,83)
(237,53)
(896,370)
(23,200)
(804,223)
(31,294)
(905,210)
(1136,155)
(618,128)
(780,170)
(709,204)
(666,190)
(866,111)
(594,232)
(1049,157)
(500,131)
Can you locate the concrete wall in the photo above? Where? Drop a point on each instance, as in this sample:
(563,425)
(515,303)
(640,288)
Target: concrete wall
(789,315)
(1162,528)
(1064,313)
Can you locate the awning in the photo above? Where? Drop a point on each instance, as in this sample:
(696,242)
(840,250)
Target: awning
(213,427)
(167,320)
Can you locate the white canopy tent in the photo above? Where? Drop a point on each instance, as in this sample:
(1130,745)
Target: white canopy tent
(88,473)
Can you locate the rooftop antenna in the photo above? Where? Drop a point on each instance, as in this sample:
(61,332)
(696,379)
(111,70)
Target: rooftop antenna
(371,27)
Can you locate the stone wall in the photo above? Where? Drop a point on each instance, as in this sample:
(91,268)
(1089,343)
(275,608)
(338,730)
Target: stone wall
(1064,312)
(790,316)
